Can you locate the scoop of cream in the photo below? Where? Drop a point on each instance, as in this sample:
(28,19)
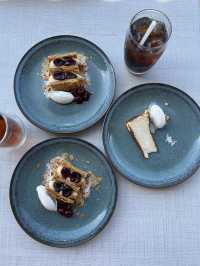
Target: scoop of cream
(62,97)
(46,201)
(157,116)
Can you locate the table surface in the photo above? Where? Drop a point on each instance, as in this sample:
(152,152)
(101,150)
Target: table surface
(149,227)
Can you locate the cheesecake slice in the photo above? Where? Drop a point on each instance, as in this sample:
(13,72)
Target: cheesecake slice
(138,127)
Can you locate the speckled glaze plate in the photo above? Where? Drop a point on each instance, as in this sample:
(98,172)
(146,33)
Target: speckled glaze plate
(171,164)
(54,117)
(51,228)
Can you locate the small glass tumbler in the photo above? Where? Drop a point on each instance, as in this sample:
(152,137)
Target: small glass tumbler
(12,131)
(146,40)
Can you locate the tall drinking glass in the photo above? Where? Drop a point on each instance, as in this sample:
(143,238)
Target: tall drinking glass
(146,40)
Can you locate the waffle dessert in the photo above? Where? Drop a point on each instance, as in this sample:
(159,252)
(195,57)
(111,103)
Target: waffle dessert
(66,72)
(65,81)
(68,185)
(68,62)
(139,128)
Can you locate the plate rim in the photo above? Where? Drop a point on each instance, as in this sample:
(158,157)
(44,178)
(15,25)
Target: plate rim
(98,228)
(162,185)
(90,122)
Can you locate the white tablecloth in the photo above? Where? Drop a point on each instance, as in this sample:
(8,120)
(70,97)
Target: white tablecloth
(149,227)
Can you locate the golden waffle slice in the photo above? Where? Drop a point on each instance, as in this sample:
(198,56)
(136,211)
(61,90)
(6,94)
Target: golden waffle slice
(77,196)
(74,69)
(57,196)
(56,56)
(72,168)
(67,84)
(78,62)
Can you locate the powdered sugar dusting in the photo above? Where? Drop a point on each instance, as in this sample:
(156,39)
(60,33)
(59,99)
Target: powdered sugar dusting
(171,141)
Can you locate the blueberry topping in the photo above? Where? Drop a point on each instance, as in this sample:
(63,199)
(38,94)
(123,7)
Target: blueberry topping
(64,205)
(66,61)
(69,61)
(58,186)
(80,91)
(70,75)
(68,214)
(65,209)
(59,75)
(59,62)
(75,177)
(80,95)
(68,206)
(67,191)
(78,99)
(65,172)
(74,92)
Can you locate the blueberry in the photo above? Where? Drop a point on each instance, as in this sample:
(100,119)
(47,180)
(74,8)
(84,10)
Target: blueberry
(69,61)
(69,213)
(61,211)
(67,191)
(68,207)
(74,91)
(75,177)
(65,209)
(70,75)
(64,206)
(60,75)
(58,186)
(78,99)
(65,172)
(59,62)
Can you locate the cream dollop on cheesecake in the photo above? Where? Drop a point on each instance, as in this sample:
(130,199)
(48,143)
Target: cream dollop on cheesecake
(157,115)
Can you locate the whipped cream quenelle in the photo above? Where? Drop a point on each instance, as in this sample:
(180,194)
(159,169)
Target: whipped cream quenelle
(61,97)
(46,201)
(157,116)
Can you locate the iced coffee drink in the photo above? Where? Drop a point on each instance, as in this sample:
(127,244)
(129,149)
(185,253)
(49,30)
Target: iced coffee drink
(146,40)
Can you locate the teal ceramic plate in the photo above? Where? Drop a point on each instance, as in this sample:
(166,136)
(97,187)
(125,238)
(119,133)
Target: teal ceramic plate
(172,164)
(54,117)
(50,227)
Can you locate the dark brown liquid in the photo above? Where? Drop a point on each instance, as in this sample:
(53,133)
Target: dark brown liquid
(14,132)
(2,128)
(141,58)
